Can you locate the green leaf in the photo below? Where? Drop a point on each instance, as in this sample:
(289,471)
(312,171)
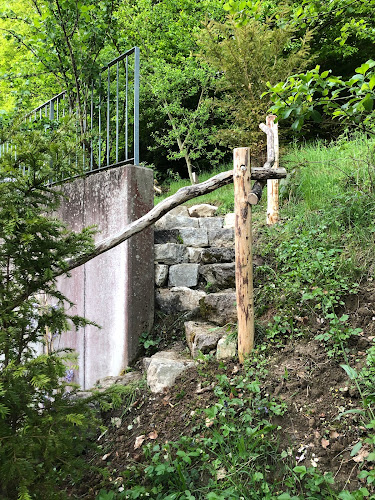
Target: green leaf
(316,116)
(372,82)
(351,372)
(356,449)
(368,102)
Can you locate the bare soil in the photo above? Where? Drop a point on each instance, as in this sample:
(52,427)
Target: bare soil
(315,388)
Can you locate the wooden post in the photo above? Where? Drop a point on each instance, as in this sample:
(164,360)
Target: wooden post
(273,184)
(243,247)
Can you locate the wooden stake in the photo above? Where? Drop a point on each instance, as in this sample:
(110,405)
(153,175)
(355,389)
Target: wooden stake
(273,185)
(243,247)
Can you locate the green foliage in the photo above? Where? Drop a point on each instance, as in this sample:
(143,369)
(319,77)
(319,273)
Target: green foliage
(306,96)
(342,31)
(177,87)
(65,40)
(245,58)
(42,430)
(338,334)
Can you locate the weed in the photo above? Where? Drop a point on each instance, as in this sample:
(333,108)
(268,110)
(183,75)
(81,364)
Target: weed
(337,335)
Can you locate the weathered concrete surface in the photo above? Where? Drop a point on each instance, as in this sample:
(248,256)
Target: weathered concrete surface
(115,290)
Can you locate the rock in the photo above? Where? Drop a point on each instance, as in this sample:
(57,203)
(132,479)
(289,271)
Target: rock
(203,210)
(183,275)
(164,368)
(229,220)
(211,223)
(173,221)
(193,237)
(166,236)
(178,299)
(202,337)
(161,274)
(221,237)
(194,254)
(170,253)
(180,210)
(219,276)
(226,348)
(215,255)
(219,308)
(106,382)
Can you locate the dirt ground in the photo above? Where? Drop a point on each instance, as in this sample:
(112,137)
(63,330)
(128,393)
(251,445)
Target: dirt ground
(314,387)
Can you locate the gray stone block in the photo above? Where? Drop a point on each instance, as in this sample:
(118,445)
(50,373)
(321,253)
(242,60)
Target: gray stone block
(161,274)
(221,237)
(178,299)
(164,368)
(193,237)
(194,254)
(218,276)
(173,221)
(183,275)
(170,253)
(213,255)
(211,222)
(229,220)
(166,236)
(226,348)
(219,308)
(202,210)
(202,337)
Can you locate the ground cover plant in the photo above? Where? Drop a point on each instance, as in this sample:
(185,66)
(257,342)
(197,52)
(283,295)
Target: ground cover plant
(297,420)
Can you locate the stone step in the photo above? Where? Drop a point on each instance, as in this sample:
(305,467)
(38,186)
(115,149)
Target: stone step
(217,277)
(219,308)
(203,337)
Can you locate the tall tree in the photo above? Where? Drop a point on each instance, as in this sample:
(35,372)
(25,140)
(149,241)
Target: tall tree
(176,85)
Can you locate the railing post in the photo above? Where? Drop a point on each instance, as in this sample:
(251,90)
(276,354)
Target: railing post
(136,106)
(243,247)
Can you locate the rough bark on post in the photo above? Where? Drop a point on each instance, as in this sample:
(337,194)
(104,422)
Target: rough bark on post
(243,246)
(273,184)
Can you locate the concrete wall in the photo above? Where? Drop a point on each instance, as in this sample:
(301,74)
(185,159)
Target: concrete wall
(115,290)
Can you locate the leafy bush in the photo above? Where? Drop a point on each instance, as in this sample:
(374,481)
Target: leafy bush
(42,430)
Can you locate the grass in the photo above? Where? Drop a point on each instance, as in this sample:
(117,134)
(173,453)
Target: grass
(315,258)
(222,198)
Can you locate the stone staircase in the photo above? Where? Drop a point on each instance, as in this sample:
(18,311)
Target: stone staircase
(195,273)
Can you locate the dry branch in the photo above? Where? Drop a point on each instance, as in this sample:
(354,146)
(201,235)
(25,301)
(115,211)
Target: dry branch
(182,195)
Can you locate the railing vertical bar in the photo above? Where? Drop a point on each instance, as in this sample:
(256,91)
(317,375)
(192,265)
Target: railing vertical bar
(91,125)
(117,113)
(100,119)
(126,108)
(108,112)
(136,106)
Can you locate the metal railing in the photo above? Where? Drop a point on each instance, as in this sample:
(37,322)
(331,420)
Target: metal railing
(107,131)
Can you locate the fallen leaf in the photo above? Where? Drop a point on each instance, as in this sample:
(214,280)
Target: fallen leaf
(104,457)
(153,435)
(324,443)
(235,370)
(334,435)
(139,441)
(360,457)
